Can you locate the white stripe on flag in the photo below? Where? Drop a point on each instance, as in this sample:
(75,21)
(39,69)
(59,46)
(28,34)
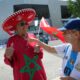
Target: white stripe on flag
(44,23)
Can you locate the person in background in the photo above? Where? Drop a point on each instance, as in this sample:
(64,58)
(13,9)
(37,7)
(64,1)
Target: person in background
(70,50)
(21,55)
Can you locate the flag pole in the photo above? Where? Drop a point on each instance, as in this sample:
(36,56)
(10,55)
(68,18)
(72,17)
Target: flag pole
(38,31)
(37,25)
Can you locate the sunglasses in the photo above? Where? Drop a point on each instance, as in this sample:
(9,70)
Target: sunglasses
(22,24)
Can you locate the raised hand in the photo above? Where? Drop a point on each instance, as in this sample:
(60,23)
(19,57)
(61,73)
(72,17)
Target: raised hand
(37,48)
(9,51)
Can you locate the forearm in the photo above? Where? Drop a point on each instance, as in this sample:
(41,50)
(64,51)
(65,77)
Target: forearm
(47,47)
(43,45)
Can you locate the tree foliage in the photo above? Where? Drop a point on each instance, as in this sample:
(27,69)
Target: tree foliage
(74,7)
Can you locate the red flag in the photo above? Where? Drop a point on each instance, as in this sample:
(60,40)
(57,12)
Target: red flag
(51,30)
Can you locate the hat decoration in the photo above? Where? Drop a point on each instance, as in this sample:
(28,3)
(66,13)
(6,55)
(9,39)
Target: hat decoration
(9,25)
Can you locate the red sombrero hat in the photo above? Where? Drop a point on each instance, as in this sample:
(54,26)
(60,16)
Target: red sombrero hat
(9,25)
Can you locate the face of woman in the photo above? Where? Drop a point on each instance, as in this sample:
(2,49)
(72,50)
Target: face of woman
(71,36)
(21,28)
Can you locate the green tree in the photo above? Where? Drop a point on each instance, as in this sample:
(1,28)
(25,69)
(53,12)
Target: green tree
(74,7)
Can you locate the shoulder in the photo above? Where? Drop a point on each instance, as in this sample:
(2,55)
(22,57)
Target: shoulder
(12,38)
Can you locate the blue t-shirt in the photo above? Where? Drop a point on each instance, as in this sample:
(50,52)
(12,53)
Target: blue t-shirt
(71,60)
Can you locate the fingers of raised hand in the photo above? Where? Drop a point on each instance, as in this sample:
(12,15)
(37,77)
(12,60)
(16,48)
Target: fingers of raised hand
(11,47)
(9,50)
(37,49)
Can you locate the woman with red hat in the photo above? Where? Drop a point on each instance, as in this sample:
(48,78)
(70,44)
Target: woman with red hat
(20,54)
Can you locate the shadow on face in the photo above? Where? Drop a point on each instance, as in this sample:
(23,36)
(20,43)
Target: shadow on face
(21,28)
(71,35)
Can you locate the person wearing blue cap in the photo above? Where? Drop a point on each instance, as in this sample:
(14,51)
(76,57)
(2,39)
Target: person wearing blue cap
(70,49)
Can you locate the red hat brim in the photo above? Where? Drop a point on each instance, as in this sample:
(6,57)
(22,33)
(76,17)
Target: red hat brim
(9,25)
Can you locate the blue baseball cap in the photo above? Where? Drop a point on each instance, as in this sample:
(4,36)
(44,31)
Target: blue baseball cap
(73,24)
